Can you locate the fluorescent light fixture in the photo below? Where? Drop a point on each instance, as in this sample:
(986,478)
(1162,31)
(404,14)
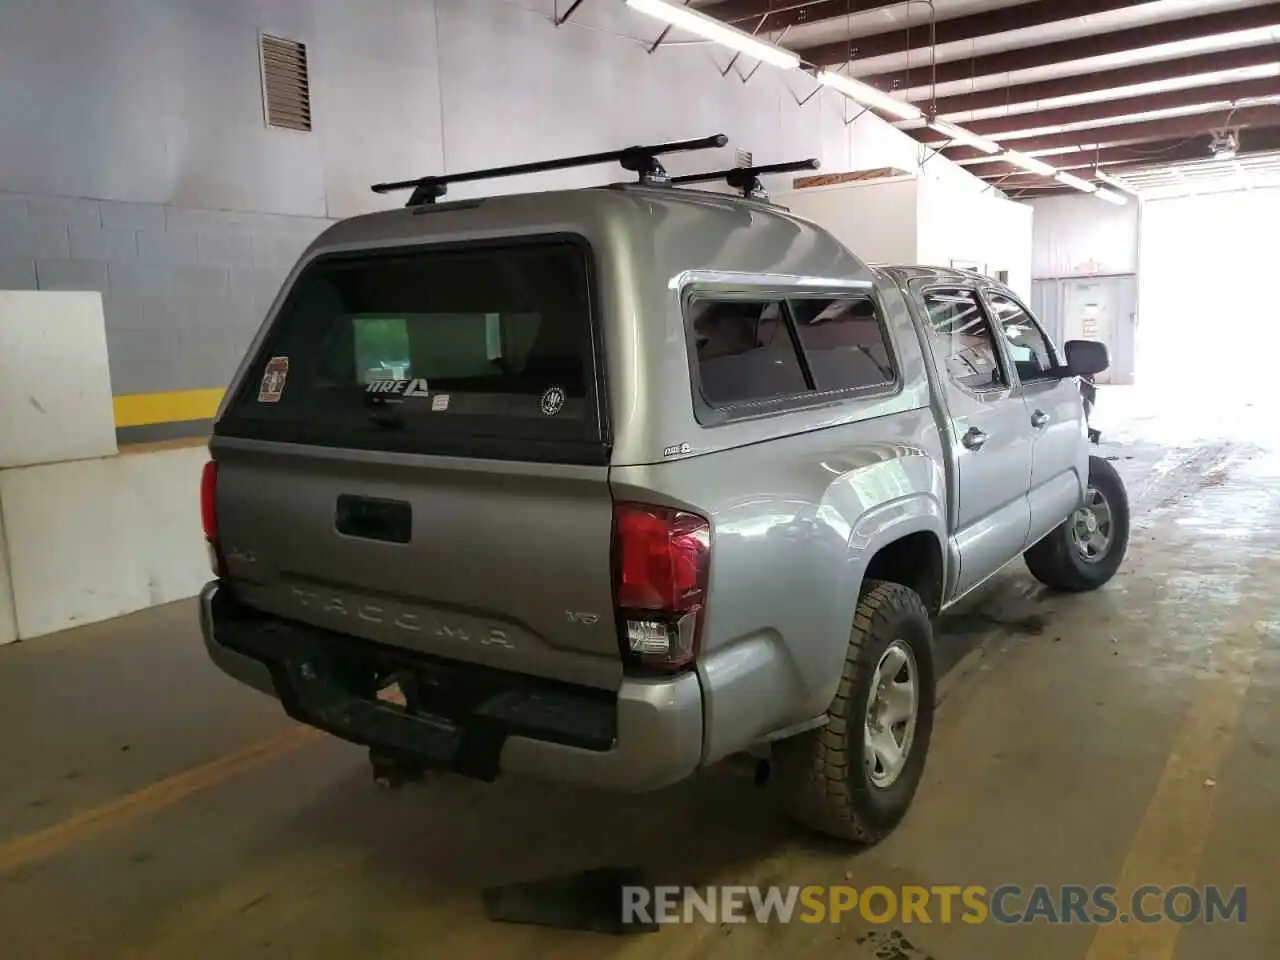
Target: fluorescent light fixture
(867,95)
(1111,196)
(1072,181)
(711,29)
(1116,182)
(961,135)
(1029,163)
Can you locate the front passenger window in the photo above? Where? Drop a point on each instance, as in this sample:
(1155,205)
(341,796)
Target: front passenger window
(963,339)
(1032,354)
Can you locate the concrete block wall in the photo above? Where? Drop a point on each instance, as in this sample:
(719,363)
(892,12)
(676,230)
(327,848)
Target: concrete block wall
(184,290)
(154,108)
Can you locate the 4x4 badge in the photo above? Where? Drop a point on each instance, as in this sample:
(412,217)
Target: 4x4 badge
(552,401)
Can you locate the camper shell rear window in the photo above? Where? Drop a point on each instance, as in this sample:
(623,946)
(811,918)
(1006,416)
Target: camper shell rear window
(483,349)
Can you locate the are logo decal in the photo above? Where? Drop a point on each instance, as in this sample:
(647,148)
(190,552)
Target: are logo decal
(416,387)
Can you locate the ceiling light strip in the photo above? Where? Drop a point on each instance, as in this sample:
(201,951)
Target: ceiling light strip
(718,32)
(960,135)
(1111,196)
(1070,180)
(1116,182)
(722,33)
(1030,164)
(868,95)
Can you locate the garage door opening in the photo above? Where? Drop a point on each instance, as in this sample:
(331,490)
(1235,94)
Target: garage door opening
(1209,323)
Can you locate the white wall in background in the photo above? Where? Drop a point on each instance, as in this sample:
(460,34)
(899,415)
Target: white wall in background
(984,231)
(913,221)
(159,101)
(876,220)
(55,388)
(1080,235)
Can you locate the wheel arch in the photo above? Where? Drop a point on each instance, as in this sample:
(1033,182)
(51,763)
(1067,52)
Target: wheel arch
(900,541)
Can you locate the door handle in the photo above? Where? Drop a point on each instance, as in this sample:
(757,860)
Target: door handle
(1039,419)
(974,439)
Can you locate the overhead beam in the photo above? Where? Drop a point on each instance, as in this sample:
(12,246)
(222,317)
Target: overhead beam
(1080,48)
(1026,181)
(1183,68)
(1038,13)
(1113,109)
(1254,141)
(1251,142)
(777,14)
(1049,191)
(1157,151)
(1119,134)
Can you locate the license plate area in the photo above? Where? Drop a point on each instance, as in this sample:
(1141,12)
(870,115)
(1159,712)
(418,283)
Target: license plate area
(443,714)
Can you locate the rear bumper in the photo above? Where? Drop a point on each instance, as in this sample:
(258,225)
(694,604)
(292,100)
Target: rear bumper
(646,737)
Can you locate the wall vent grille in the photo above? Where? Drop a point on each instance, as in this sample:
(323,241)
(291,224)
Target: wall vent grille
(286,84)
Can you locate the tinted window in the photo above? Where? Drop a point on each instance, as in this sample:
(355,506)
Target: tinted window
(396,351)
(962,339)
(1028,346)
(843,342)
(745,352)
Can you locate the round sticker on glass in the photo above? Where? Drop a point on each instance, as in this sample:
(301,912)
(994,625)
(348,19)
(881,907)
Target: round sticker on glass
(552,401)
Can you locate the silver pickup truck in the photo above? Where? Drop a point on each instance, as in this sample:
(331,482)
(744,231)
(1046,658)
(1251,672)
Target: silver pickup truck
(607,485)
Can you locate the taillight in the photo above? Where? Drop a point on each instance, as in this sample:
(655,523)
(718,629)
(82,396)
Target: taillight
(209,515)
(661,560)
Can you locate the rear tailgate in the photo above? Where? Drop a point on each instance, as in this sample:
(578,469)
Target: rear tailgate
(418,456)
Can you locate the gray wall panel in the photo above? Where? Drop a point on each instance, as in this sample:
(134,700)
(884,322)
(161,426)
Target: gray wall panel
(143,166)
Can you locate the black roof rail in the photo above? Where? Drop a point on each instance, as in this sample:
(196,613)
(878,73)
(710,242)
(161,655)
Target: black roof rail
(640,160)
(747,179)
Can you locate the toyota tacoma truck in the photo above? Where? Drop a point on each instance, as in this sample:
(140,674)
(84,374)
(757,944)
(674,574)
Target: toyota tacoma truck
(607,485)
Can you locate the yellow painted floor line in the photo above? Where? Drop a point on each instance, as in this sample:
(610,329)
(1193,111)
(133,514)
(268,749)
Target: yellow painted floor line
(89,824)
(1170,839)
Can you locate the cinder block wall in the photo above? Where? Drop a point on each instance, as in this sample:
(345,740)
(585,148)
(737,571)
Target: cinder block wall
(155,108)
(183,290)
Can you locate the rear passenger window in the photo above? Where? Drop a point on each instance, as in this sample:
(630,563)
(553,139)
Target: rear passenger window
(745,352)
(843,342)
(963,340)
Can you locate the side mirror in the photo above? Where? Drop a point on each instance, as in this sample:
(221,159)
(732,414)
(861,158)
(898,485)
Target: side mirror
(1086,358)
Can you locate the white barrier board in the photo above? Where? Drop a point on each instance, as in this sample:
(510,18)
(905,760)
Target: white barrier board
(8,621)
(55,383)
(95,539)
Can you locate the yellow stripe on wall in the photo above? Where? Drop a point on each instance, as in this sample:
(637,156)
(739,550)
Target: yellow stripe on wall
(143,409)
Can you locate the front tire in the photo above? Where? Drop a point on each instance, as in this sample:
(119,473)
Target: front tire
(855,777)
(1086,550)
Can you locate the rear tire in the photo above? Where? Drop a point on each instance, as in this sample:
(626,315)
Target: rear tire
(830,784)
(1071,558)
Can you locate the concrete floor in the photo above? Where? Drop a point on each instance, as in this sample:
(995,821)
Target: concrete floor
(151,808)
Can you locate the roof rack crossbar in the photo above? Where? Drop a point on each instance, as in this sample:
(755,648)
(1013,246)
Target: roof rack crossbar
(747,179)
(641,160)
